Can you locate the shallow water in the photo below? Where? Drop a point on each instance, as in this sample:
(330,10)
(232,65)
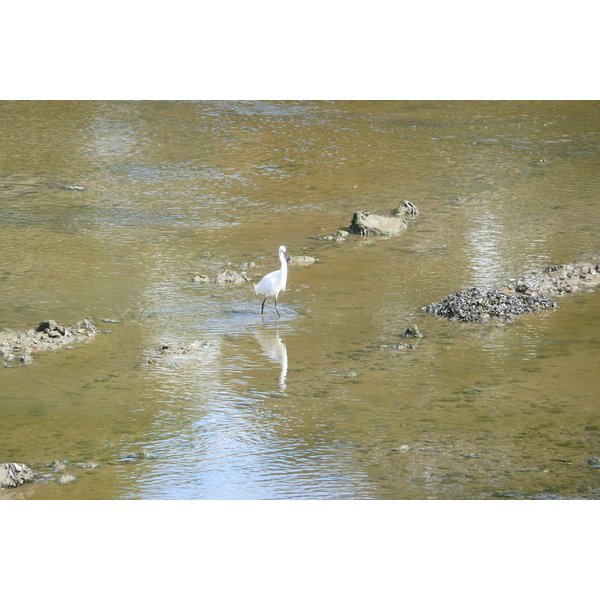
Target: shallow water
(318,403)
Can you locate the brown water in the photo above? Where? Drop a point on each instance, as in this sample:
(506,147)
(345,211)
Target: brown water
(316,404)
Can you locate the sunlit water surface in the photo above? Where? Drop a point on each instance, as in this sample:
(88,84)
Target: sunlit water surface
(109,209)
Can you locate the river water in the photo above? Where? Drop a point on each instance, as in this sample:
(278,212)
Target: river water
(109,209)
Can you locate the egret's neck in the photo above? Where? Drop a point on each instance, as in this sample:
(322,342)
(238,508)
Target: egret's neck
(284,269)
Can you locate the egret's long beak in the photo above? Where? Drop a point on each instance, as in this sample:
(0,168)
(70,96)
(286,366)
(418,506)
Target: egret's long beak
(287,258)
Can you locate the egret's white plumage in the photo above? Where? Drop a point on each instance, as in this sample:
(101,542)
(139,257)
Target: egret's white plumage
(273,283)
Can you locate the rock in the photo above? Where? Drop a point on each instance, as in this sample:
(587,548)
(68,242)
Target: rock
(402,346)
(248,265)
(402,448)
(339,236)
(15,474)
(478,305)
(228,276)
(594,462)
(302,260)
(364,223)
(406,208)
(87,465)
(47,326)
(200,279)
(65,479)
(412,332)
(169,354)
(165,349)
(142,454)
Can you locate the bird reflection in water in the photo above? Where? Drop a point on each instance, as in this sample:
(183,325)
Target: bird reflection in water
(275,349)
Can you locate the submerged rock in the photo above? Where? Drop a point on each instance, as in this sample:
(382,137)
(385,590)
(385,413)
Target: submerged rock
(302,260)
(144,453)
(224,277)
(478,305)
(339,236)
(48,335)
(15,474)
(403,346)
(200,279)
(167,350)
(65,479)
(228,276)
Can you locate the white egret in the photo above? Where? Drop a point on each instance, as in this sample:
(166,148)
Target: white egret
(273,283)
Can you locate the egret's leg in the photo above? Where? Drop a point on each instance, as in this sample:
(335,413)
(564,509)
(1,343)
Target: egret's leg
(276,306)
(262,308)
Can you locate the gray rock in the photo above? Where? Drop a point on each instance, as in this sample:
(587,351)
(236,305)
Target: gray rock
(15,474)
(45,326)
(365,223)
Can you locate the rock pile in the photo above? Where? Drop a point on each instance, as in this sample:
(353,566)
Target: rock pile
(558,280)
(48,335)
(478,305)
